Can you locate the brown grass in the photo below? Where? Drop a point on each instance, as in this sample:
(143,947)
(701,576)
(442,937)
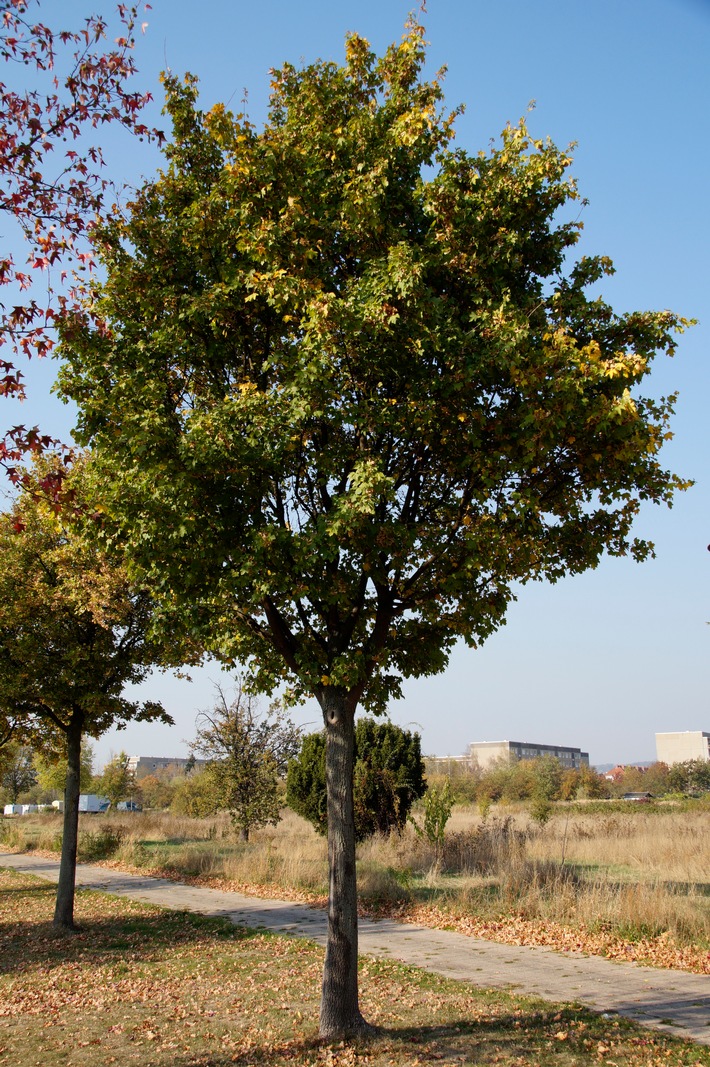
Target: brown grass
(635,877)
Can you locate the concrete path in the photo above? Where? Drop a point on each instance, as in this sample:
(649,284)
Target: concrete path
(673,1001)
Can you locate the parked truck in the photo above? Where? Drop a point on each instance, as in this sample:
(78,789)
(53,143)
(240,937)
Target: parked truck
(90,802)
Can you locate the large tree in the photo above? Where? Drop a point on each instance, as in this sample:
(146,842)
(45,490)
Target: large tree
(346,391)
(72,636)
(61,85)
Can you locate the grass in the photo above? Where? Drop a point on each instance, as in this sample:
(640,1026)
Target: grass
(150,988)
(632,881)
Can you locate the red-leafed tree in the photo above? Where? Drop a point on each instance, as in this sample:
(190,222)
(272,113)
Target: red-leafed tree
(60,87)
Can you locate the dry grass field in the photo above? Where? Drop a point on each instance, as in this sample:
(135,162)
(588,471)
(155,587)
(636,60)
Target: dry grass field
(632,882)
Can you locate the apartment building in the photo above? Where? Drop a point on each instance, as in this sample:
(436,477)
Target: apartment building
(483,754)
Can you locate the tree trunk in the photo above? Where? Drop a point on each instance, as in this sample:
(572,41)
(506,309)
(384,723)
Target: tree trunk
(339,1011)
(64,909)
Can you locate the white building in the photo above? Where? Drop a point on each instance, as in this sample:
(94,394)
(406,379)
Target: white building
(682,745)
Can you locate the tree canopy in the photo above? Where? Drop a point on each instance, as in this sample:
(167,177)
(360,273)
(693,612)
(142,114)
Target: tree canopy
(375,398)
(73,627)
(345,388)
(51,767)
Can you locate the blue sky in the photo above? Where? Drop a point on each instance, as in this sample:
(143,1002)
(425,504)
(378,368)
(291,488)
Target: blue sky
(604,660)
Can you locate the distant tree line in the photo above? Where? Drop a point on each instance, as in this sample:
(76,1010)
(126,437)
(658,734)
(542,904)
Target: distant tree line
(546,778)
(390,779)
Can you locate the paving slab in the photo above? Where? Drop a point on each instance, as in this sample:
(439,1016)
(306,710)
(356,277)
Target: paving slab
(673,1001)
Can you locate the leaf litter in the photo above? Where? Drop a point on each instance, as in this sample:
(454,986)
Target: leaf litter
(139,985)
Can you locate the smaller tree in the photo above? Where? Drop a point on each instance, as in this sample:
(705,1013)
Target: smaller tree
(520,780)
(691,776)
(156,791)
(592,785)
(492,784)
(438,806)
(115,781)
(249,752)
(570,783)
(74,631)
(547,774)
(632,779)
(656,779)
(388,778)
(17,771)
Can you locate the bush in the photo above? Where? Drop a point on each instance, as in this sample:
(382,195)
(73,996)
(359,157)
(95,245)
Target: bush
(305,782)
(540,809)
(99,844)
(388,778)
(463,784)
(198,795)
(437,812)
(12,837)
(692,776)
(156,791)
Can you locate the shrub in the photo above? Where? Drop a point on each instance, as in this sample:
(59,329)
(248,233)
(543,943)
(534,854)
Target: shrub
(197,795)
(540,809)
(388,778)
(100,844)
(437,812)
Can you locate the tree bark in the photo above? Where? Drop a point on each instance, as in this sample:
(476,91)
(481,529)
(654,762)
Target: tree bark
(339,1011)
(64,908)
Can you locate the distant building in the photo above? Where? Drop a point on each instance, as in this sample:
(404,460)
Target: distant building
(453,766)
(142,766)
(682,745)
(482,754)
(618,772)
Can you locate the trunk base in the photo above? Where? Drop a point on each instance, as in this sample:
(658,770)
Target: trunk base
(65,927)
(357,1030)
